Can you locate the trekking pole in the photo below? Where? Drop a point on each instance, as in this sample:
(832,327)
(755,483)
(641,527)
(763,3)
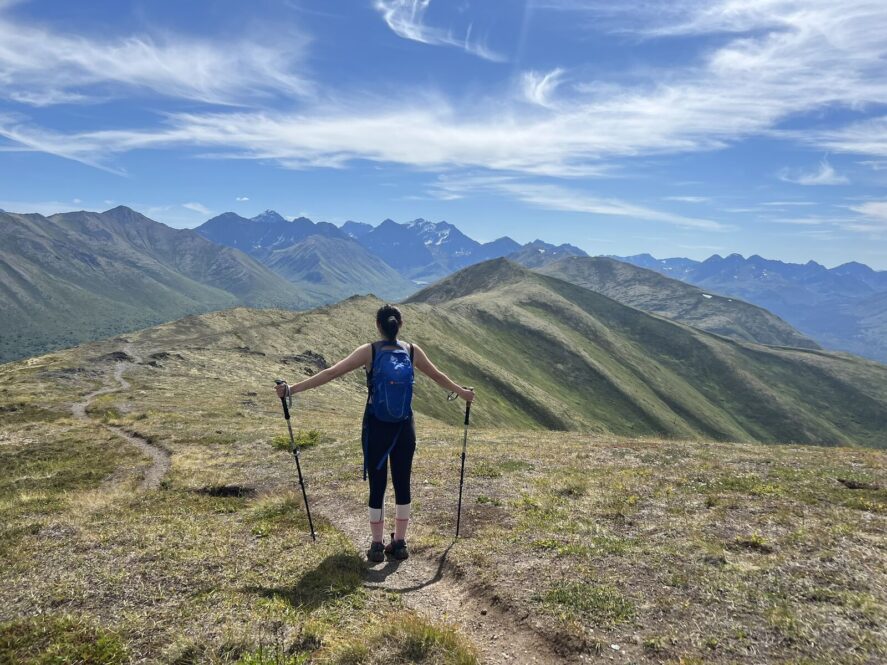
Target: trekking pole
(287,401)
(462,472)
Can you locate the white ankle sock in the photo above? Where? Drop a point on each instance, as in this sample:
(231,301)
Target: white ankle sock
(401,520)
(377,523)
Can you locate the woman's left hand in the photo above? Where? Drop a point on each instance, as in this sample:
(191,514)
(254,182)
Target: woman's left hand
(281,390)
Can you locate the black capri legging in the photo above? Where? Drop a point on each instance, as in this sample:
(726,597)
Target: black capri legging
(380,438)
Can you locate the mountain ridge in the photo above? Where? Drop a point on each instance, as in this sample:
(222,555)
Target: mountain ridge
(655,293)
(547,354)
(830,305)
(83,275)
(622,365)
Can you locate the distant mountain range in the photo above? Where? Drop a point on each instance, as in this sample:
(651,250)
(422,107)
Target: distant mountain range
(842,308)
(319,258)
(83,275)
(79,276)
(419,252)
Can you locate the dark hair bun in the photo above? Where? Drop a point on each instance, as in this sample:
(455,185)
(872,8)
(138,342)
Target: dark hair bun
(389,320)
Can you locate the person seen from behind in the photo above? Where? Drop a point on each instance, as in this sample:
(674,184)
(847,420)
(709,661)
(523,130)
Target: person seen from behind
(389,433)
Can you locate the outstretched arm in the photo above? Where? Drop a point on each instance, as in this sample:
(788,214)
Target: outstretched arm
(424,365)
(360,356)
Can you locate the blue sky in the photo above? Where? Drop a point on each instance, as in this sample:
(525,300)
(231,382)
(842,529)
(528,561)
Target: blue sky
(678,128)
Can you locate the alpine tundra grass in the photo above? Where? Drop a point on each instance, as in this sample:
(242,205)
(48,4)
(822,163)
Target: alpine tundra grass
(649,549)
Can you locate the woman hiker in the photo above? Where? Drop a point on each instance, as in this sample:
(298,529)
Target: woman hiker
(389,434)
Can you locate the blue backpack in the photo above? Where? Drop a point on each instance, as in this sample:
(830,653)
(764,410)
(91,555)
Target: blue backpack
(390,382)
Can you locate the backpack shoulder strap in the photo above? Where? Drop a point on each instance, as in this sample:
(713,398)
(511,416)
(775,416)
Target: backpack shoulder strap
(411,352)
(369,372)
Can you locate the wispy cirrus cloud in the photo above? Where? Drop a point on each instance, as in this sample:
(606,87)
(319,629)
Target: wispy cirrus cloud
(564,199)
(407,19)
(770,61)
(43,66)
(197,207)
(867,137)
(45,208)
(875,213)
(689,199)
(538,87)
(824,175)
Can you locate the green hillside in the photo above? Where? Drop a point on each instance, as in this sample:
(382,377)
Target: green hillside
(571,358)
(549,354)
(327,269)
(80,276)
(652,292)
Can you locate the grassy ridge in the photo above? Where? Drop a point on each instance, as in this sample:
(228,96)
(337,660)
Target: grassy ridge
(652,292)
(97,572)
(673,550)
(587,362)
(548,354)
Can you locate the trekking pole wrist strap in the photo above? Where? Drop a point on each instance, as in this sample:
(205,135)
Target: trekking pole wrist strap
(454,394)
(287,399)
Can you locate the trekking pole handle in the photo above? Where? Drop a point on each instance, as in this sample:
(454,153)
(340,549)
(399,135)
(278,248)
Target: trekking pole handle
(283,400)
(467,406)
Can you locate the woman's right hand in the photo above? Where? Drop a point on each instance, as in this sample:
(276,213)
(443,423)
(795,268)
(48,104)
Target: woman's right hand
(467,394)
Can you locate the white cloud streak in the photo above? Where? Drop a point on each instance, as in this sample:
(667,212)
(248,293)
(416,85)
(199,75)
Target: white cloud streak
(785,58)
(407,20)
(868,137)
(538,88)
(197,207)
(45,208)
(874,211)
(688,199)
(564,199)
(824,175)
(41,66)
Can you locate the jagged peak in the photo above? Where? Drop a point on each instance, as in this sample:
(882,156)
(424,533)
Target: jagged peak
(269,216)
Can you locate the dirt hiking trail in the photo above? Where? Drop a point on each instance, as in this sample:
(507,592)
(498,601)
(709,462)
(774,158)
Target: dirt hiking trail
(160,460)
(427,586)
(431,588)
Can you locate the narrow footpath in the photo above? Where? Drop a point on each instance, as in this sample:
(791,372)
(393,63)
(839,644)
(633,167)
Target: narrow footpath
(431,588)
(160,460)
(426,586)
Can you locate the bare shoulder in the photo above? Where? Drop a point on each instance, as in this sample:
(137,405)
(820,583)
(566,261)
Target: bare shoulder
(360,356)
(419,355)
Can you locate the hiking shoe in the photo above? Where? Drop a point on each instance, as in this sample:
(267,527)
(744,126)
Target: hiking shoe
(397,549)
(376,553)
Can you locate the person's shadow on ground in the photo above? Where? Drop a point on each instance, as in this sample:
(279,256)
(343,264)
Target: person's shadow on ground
(339,575)
(336,576)
(377,576)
